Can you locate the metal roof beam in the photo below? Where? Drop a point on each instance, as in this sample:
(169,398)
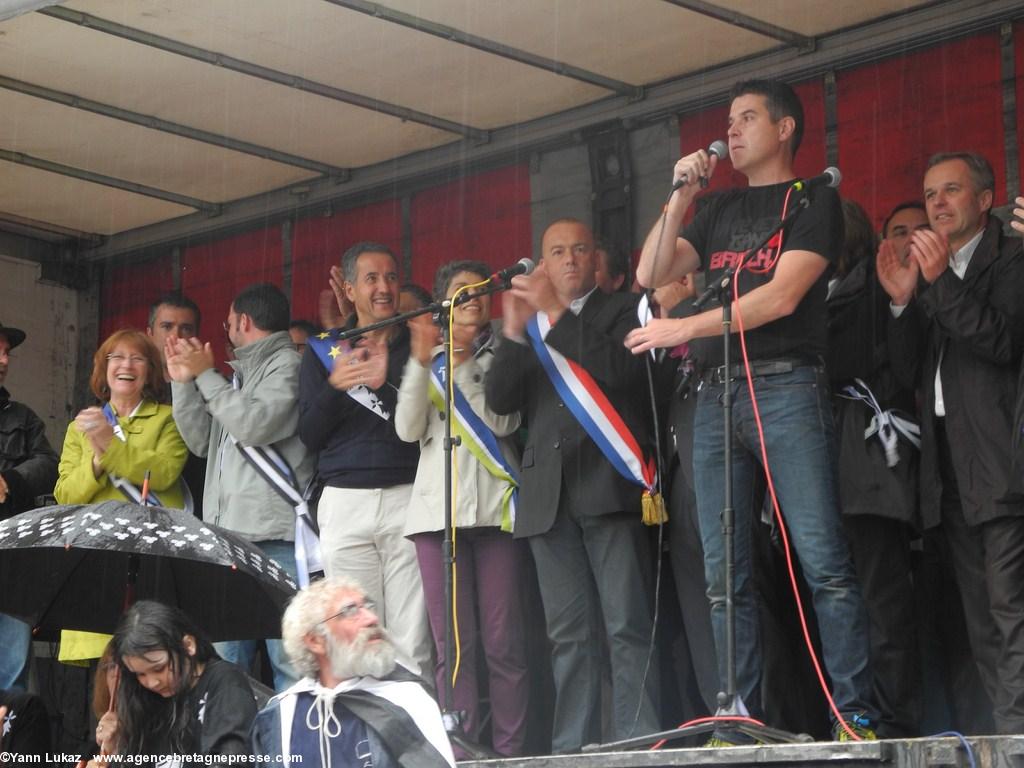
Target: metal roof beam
(166,126)
(741,20)
(454,35)
(46,231)
(212,209)
(264,73)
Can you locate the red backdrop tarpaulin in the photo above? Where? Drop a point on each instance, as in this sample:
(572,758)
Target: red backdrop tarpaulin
(318,243)
(212,275)
(484,217)
(128,290)
(894,114)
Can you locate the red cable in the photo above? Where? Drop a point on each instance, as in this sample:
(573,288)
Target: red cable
(771,485)
(712,719)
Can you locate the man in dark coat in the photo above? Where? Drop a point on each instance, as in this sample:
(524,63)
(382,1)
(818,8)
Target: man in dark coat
(582,517)
(28,468)
(877,471)
(958,331)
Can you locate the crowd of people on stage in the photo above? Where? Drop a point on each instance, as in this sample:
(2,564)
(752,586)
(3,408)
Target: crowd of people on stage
(873,388)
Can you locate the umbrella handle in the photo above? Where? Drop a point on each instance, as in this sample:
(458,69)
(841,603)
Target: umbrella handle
(113,699)
(117,685)
(131,581)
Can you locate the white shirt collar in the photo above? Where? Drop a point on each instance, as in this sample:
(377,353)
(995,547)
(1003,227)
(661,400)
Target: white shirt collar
(576,305)
(959,260)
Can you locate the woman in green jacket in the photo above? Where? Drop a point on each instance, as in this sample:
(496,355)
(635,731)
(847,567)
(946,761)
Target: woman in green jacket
(108,448)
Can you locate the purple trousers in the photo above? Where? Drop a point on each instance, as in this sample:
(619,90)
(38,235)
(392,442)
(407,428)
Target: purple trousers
(488,566)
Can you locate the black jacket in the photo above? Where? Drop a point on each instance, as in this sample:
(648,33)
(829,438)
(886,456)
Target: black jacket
(858,312)
(27,462)
(980,320)
(558,452)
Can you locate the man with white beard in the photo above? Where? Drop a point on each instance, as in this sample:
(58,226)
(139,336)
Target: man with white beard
(355,705)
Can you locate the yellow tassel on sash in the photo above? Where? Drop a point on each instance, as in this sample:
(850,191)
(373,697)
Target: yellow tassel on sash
(654,509)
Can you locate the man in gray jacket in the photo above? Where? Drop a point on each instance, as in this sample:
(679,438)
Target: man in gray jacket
(259,408)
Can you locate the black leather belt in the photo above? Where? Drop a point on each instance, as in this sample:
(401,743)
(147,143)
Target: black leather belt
(757,368)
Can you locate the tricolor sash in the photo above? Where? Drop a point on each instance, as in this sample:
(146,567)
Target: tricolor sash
(275,469)
(327,347)
(598,417)
(478,438)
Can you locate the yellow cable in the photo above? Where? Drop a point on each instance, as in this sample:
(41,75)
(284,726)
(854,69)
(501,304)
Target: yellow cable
(450,383)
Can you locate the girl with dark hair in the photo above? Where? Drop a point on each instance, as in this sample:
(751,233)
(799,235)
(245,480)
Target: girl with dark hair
(175,696)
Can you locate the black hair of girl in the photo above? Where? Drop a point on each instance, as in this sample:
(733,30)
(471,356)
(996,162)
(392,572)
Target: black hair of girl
(445,273)
(145,717)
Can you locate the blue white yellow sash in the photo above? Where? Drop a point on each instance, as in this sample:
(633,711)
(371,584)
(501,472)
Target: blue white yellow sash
(598,417)
(327,347)
(478,438)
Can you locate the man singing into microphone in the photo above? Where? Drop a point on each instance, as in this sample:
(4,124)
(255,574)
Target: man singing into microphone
(782,290)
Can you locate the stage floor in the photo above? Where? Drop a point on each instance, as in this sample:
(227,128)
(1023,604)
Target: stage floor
(985,752)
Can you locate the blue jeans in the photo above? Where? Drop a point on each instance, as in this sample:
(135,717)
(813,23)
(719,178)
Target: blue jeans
(800,440)
(15,647)
(242,652)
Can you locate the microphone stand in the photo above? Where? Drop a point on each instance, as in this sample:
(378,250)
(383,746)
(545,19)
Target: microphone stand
(451,717)
(730,703)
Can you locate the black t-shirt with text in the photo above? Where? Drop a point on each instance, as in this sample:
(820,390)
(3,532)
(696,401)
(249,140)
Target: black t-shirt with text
(734,222)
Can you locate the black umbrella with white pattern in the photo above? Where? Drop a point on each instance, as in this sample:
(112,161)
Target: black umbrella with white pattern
(79,566)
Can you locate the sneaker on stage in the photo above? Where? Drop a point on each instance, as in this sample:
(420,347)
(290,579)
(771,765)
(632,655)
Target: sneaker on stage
(859,724)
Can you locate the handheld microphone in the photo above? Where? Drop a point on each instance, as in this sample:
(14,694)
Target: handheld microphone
(830,177)
(522,267)
(719,149)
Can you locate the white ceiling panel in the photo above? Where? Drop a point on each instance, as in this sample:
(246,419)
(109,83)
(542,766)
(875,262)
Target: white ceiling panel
(103,145)
(633,43)
(81,205)
(137,77)
(319,41)
(638,41)
(814,17)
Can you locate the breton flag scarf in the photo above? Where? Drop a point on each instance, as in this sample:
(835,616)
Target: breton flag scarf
(275,469)
(888,424)
(327,348)
(599,419)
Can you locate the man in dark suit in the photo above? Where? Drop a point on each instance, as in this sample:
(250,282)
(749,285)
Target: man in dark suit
(582,518)
(958,330)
